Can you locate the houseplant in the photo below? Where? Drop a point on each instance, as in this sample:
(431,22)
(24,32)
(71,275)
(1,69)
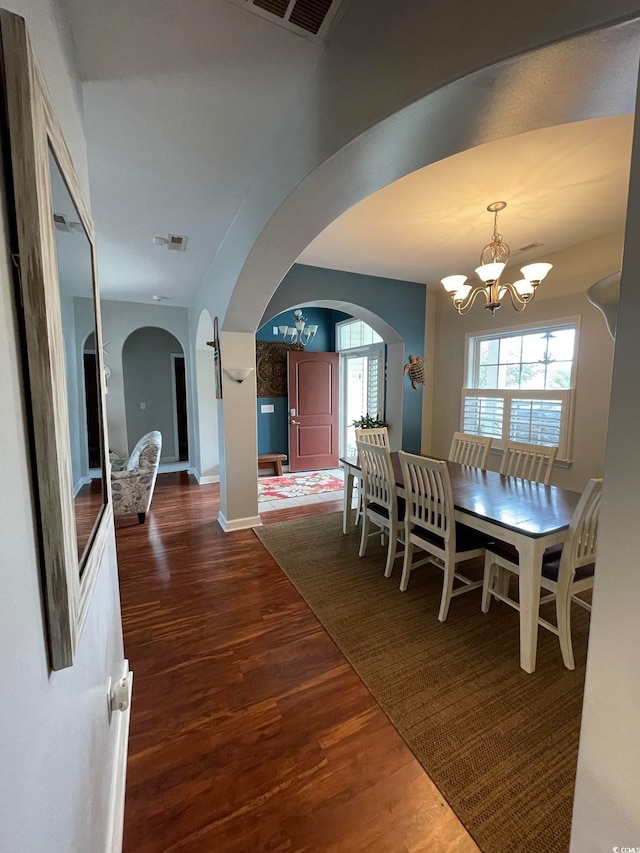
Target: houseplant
(369,422)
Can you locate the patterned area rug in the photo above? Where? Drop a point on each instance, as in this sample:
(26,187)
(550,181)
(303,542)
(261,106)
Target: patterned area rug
(297,485)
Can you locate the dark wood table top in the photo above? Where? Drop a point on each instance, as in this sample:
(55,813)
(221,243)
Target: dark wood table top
(520,505)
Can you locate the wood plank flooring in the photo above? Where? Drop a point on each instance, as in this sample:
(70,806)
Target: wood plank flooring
(249,730)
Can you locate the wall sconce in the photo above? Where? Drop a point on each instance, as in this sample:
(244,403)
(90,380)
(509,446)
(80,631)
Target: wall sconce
(238,374)
(300,333)
(605,295)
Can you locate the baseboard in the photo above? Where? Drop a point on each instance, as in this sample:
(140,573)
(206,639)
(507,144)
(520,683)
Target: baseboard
(206,480)
(119,781)
(238,523)
(83,481)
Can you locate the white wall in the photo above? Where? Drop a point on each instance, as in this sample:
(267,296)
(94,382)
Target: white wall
(606,812)
(561,295)
(56,744)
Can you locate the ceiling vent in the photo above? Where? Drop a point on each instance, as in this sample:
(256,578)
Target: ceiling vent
(527,248)
(173,242)
(63,223)
(309,18)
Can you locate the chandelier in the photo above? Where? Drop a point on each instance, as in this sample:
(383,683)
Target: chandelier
(493,259)
(299,333)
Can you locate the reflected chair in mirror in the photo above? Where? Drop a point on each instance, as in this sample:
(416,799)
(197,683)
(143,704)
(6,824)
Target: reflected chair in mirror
(469,449)
(430,526)
(564,575)
(375,435)
(379,500)
(133,480)
(528,461)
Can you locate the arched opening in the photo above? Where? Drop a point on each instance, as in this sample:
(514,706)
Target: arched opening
(155,396)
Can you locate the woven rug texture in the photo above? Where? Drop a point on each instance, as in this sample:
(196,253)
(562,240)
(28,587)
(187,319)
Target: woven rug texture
(500,744)
(297,485)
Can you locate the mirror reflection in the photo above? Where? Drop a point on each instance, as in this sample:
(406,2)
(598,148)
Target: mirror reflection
(82,360)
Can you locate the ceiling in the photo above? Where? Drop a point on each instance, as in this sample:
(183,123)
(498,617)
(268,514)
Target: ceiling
(183,101)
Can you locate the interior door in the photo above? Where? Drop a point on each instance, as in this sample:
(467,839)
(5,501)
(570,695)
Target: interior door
(314,399)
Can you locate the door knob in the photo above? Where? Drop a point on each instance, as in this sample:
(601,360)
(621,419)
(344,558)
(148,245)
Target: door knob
(295,423)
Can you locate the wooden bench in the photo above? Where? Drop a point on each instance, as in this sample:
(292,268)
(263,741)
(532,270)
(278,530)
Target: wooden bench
(272,460)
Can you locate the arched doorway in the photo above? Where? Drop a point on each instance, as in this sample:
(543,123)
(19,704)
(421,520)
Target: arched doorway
(155,395)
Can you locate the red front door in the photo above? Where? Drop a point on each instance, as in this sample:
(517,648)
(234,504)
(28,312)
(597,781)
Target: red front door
(314,395)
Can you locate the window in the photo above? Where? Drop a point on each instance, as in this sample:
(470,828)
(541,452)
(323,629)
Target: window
(362,377)
(520,385)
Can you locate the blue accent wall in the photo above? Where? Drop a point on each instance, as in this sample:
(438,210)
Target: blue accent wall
(400,303)
(273,432)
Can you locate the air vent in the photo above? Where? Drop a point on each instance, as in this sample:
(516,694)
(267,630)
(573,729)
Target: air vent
(527,248)
(63,223)
(176,243)
(310,18)
(173,242)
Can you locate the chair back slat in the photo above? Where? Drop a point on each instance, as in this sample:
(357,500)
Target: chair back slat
(377,435)
(528,461)
(428,494)
(469,449)
(377,474)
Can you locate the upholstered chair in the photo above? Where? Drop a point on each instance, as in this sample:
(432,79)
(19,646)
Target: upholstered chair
(133,480)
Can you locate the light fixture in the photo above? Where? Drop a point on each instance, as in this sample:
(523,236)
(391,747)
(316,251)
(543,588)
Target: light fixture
(605,295)
(238,374)
(299,333)
(493,259)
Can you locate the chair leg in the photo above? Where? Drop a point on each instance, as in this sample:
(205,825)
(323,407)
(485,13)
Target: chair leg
(447,589)
(392,550)
(141,517)
(364,536)
(563,619)
(488,581)
(406,564)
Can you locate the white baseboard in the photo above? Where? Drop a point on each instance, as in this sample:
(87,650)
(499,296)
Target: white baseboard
(83,481)
(118,784)
(238,523)
(207,479)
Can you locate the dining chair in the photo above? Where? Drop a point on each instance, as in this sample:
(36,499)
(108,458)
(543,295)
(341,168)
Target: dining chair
(528,461)
(379,499)
(564,575)
(374,435)
(430,525)
(469,449)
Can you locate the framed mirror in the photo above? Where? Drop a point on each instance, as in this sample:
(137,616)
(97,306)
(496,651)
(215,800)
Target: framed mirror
(58,305)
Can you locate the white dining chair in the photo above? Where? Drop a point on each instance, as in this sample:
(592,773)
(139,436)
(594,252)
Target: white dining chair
(379,500)
(469,449)
(374,435)
(564,575)
(430,526)
(528,461)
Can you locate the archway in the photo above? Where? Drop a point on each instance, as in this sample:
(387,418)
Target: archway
(154,376)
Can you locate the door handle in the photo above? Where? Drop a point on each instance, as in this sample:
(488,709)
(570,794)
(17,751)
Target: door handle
(294,423)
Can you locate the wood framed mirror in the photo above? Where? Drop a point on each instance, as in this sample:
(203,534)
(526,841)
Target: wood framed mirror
(58,306)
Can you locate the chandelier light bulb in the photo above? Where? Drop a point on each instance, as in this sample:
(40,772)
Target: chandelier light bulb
(536,272)
(452,283)
(490,272)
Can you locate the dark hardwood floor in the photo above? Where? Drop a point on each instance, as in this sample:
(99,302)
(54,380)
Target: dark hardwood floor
(249,730)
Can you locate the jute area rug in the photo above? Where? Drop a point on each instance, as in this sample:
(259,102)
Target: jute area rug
(501,745)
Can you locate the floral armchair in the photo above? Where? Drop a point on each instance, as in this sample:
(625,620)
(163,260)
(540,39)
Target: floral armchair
(133,480)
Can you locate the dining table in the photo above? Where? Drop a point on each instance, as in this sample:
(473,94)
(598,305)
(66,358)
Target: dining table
(528,515)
